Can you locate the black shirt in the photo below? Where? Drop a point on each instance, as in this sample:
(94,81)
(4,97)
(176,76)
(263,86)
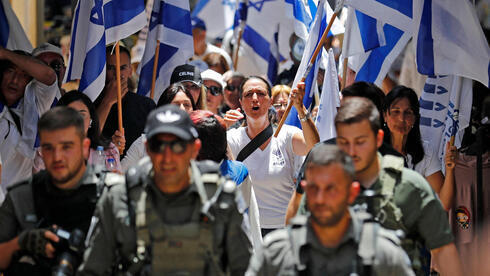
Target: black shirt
(135,109)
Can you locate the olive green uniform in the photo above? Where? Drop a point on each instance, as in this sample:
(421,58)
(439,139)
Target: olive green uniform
(297,251)
(114,239)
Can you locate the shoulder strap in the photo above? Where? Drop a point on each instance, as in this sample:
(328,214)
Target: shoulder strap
(256,142)
(16,120)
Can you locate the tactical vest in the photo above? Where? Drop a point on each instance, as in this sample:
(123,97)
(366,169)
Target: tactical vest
(389,214)
(183,249)
(365,237)
(23,200)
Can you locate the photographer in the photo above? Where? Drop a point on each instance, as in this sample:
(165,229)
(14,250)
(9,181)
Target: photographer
(59,200)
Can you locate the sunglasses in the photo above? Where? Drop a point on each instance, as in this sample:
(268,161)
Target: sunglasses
(158,146)
(214,90)
(231,87)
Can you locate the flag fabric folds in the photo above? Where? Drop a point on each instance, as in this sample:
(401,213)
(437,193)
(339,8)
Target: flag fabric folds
(322,17)
(95,24)
(12,35)
(442,97)
(329,101)
(217,14)
(450,40)
(296,10)
(170,23)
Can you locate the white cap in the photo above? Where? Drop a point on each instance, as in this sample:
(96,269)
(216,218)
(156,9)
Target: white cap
(214,76)
(46,48)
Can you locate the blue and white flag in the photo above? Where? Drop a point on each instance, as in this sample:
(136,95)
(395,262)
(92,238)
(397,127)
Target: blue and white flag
(450,40)
(322,17)
(217,14)
(170,23)
(441,99)
(296,10)
(97,23)
(12,35)
(397,13)
(329,100)
(372,46)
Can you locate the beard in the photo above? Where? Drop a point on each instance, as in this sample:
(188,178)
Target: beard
(59,181)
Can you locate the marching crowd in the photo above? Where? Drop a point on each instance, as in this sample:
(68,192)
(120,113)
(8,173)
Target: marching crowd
(196,183)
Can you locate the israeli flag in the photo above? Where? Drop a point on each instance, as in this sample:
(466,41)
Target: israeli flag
(217,14)
(450,40)
(329,101)
(170,23)
(322,17)
(97,23)
(397,13)
(296,10)
(372,46)
(12,35)
(445,109)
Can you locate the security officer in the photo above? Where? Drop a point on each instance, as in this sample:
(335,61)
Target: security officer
(64,195)
(180,219)
(408,202)
(333,239)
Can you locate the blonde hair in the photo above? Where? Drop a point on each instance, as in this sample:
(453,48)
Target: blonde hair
(280,88)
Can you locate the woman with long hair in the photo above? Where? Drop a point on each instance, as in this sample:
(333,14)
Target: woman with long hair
(402,132)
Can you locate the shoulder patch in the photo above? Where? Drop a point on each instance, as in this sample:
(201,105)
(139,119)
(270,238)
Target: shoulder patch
(392,162)
(113,179)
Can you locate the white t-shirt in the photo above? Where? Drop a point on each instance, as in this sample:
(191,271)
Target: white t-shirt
(429,165)
(272,172)
(18,151)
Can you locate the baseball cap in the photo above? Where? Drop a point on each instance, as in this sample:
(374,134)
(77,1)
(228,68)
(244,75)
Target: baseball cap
(172,120)
(214,76)
(46,48)
(186,72)
(198,23)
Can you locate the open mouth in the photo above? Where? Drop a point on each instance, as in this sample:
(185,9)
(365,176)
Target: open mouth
(255,108)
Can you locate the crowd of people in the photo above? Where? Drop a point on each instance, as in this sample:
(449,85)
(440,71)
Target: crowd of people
(195,183)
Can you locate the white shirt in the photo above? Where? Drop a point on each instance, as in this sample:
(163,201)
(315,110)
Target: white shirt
(272,172)
(429,165)
(18,151)
(134,154)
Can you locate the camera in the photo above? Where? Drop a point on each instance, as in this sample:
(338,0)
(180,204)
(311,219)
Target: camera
(69,251)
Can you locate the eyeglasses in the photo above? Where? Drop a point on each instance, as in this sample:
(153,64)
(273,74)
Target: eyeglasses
(158,146)
(214,90)
(232,87)
(279,105)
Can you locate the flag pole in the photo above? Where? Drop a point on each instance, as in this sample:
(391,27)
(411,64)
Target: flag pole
(309,67)
(155,65)
(235,56)
(118,78)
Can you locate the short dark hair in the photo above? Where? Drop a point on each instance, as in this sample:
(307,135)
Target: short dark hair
(6,64)
(169,94)
(212,133)
(367,90)
(325,154)
(109,50)
(356,109)
(93,133)
(268,85)
(61,117)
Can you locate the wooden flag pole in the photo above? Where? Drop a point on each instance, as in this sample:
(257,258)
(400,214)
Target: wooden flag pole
(155,65)
(235,56)
(308,69)
(344,74)
(119,98)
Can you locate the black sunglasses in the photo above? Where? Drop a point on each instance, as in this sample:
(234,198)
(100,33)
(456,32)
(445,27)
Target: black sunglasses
(231,87)
(214,90)
(158,146)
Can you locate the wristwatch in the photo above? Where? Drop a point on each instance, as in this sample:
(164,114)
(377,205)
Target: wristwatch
(306,117)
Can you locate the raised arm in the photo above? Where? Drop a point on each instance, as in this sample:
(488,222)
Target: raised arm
(302,143)
(32,66)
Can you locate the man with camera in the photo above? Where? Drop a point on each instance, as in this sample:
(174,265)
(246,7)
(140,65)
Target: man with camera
(43,219)
(174,216)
